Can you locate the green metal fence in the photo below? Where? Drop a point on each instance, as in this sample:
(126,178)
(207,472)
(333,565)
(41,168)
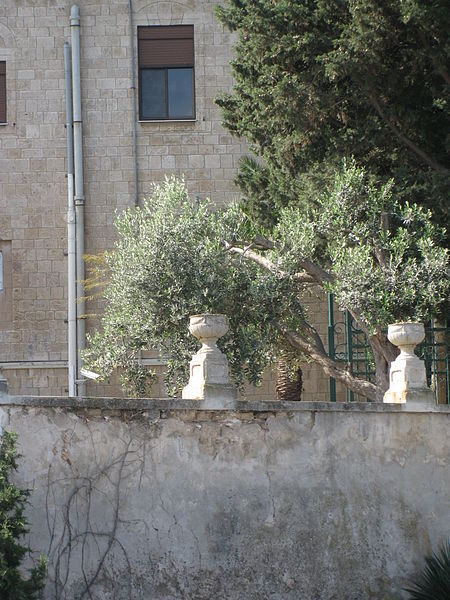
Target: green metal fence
(434,350)
(349,345)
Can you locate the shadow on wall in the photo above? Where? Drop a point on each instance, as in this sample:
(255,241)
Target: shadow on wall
(163,499)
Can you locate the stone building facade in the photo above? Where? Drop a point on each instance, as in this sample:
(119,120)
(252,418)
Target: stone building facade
(33,159)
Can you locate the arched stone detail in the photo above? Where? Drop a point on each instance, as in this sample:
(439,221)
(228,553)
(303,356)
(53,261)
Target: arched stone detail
(155,6)
(165,12)
(7,37)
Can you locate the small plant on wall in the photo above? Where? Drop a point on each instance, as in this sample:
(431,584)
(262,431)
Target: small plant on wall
(13,526)
(434,581)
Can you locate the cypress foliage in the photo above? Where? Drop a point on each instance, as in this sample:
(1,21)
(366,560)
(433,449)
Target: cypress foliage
(319,80)
(13,525)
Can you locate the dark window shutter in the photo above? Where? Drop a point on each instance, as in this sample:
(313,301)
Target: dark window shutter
(166,46)
(2,92)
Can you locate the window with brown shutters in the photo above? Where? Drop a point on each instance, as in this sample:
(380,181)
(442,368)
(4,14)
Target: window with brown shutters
(2,91)
(166,72)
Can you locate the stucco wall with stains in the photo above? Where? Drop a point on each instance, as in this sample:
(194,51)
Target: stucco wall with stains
(163,499)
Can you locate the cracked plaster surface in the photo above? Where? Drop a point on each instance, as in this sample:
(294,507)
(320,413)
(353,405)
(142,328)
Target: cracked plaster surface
(200,505)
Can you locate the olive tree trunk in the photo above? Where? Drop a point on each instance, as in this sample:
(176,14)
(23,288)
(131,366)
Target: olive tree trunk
(383,353)
(289,382)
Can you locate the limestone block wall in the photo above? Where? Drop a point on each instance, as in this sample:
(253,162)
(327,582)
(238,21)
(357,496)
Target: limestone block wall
(33,188)
(316,386)
(42,377)
(162,499)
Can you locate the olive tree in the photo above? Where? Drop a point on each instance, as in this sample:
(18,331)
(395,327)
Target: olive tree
(175,257)
(170,262)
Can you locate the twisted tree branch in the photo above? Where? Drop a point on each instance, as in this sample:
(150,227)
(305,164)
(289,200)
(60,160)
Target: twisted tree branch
(312,345)
(328,365)
(312,273)
(401,136)
(270,266)
(440,68)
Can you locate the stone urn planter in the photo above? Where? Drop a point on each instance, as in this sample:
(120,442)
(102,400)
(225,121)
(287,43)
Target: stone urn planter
(208,329)
(208,370)
(407,377)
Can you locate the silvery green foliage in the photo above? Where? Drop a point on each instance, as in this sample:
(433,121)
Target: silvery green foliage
(169,263)
(385,256)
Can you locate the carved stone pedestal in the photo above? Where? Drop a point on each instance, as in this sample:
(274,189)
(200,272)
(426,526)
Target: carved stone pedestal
(407,377)
(209,379)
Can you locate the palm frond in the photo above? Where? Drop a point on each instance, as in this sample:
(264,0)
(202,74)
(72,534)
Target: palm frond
(434,581)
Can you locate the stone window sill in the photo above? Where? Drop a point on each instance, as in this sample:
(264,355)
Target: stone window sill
(170,121)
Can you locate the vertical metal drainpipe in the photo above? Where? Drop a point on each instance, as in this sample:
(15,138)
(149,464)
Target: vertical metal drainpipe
(133,102)
(71,233)
(133,116)
(79,189)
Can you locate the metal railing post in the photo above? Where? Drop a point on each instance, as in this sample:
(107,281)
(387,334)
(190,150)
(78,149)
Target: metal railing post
(348,324)
(331,347)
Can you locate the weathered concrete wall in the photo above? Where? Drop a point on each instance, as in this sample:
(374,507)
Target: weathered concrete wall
(156,500)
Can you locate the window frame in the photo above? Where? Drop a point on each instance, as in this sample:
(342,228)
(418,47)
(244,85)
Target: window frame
(3,93)
(165,67)
(166,70)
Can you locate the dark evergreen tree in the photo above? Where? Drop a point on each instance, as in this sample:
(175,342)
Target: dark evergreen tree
(13,526)
(319,80)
